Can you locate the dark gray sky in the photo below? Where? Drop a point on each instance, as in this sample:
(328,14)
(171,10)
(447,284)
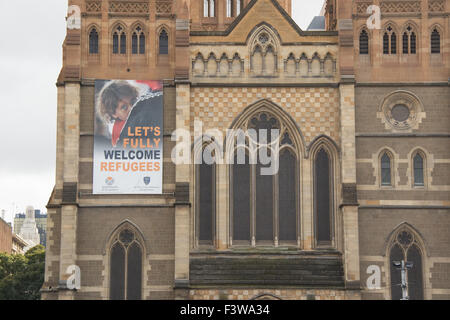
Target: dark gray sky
(32,33)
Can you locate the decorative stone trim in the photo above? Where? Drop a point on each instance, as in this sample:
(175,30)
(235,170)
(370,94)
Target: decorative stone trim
(164,6)
(93,6)
(128,7)
(436,5)
(400,6)
(405,120)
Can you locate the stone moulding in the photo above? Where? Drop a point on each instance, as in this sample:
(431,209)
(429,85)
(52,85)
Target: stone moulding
(93,6)
(128,7)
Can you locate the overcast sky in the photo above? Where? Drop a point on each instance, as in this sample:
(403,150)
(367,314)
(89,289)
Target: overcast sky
(32,34)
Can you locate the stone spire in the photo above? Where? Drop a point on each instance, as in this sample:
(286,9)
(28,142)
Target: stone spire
(29,231)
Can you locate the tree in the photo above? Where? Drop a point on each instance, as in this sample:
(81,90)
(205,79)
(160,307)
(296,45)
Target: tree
(22,276)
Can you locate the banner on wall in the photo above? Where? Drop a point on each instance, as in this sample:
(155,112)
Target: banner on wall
(128,137)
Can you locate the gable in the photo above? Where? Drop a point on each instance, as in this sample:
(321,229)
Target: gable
(259,12)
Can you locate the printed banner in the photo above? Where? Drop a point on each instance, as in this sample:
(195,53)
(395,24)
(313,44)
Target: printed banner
(128,137)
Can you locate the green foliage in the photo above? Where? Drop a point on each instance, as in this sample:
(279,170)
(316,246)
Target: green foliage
(22,276)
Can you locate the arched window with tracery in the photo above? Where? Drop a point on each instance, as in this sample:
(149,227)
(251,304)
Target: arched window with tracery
(119,41)
(263,53)
(126,258)
(363,42)
(409,41)
(389,41)
(323,197)
(138,41)
(406,247)
(93,41)
(264,205)
(163,42)
(435,41)
(206,186)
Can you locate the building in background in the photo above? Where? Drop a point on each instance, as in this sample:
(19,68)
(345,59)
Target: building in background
(365,153)
(41,224)
(28,230)
(18,244)
(5,236)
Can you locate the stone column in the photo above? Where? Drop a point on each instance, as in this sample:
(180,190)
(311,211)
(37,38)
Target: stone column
(183,178)
(349,205)
(69,208)
(182,205)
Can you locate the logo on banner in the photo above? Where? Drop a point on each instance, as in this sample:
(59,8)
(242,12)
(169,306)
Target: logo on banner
(109,181)
(147,180)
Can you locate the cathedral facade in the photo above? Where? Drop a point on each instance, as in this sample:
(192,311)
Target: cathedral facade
(363,182)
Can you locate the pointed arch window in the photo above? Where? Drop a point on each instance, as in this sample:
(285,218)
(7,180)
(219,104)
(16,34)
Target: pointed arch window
(93,41)
(435,41)
(389,41)
(405,247)
(126,266)
(138,41)
(409,41)
(386,174)
(418,163)
(119,41)
(205,174)
(163,42)
(323,198)
(264,206)
(363,42)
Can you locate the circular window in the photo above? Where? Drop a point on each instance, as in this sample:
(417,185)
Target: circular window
(400,112)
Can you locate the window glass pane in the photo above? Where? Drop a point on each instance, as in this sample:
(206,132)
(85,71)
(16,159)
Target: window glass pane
(229,8)
(323,197)
(241,200)
(123,43)
(117,276)
(435,42)
(385,170)
(115,43)
(393,43)
(142,44)
(264,205)
(396,276)
(386,44)
(206,174)
(287,194)
(93,42)
(413,43)
(134,44)
(415,281)
(405,43)
(363,43)
(163,42)
(212,8)
(418,170)
(205,8)
(134,284)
